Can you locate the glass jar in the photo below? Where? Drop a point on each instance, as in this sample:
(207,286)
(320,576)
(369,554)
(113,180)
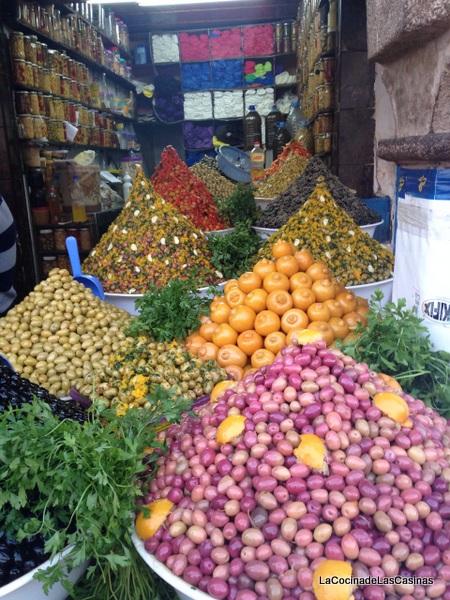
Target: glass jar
(25,127)
(45,83)
(318,144)
(47,264)
(325,97)
(327,142)
(323,123)
(36,70)
(55,85)
(58,104)
(17,45)
(40,128)
(54,63)
(56,132)
(65,87)
(46,240)
(328,69)
(34,103)
(63,262)
(30,49)
(23,73)
(23,104)
(60,239)
(85,239)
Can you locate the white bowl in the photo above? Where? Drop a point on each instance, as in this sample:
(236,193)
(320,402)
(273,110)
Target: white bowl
(184,590)
(128,301)
(263,203)
(264,232)
(218,232)
(370,229)
(124,301)
(366,290)
(28,588)
(203,292)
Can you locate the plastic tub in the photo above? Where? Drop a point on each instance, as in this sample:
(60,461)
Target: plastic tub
(218,232)
(184,590)
(370,229)
(366,290)
(234,163)
(264,232)
(204,291)
(263,203)
(28,588)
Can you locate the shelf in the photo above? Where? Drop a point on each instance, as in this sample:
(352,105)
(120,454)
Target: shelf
(60,252)
(207,60)
(68,145)
(125,53)
(107,111)
(87,60)
(65,225)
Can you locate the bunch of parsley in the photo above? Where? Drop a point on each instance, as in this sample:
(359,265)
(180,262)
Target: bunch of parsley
(234,253)
(171,312)
(76,484)
(240,207)
(397,343)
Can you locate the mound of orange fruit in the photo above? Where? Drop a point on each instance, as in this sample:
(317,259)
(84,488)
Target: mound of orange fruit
(267,308)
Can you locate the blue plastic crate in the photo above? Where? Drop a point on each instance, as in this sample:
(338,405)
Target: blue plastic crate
(382,206)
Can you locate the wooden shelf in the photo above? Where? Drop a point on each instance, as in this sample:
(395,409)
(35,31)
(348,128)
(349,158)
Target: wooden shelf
(87,60)
(68,145)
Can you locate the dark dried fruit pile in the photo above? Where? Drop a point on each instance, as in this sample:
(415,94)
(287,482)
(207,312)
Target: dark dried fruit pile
(18,558)
(289,202)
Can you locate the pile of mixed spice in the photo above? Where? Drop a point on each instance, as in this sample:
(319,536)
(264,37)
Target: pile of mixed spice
(291,168)
(334,238)
(218,186)
(292,147)
(149,242)
(298,192)
(174,181)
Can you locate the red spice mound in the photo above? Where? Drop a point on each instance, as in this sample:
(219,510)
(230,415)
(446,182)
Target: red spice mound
(293,147)
(174,181)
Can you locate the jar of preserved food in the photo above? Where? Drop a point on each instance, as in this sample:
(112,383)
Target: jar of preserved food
(328,69)
(45,239)
(45,83)
(47,264)
(91,118)
(65,87)
(36,70)
(17,45)
(30,48)
(64,65)
(40,128)
(327,142)
(75,90)
(325,97)
(74,232)
(56,130)
(34,103)
(55,83)
(85,239)
(323,123)
(23,73)
(318,144)
(95,136)
(60,239)
(25,127)
(54,63)
(23,104)
(51,107)
(58,104)
(63,262)
(44,104)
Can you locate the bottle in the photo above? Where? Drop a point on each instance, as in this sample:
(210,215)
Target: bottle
(257,161)
(295,119)
(252,128)
(78,207)
(282,137)
(126,186)
(54,205)
(271,125)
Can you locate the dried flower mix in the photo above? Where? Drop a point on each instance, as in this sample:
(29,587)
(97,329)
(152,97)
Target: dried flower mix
(150,241)
(148,364)
(176,184)
(289,202)
(334,238)
(219,186)
(278,182)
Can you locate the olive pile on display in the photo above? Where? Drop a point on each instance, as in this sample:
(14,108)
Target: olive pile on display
(16,390)
(19,558)
(62,336)
(309,468)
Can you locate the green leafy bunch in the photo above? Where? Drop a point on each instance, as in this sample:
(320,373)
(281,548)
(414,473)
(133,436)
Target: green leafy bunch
(240,207)
(76,484)
(169,313)
(234,253)
(396,342)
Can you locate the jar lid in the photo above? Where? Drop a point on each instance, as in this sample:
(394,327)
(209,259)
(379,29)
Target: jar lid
(48,258)
(45,230)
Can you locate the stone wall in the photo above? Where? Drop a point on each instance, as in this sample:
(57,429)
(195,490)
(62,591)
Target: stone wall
(410,42)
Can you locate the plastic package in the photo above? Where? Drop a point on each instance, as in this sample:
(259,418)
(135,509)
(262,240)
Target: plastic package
(195,76)
(262,98)
(226,74)
(165,48)
(258,40)
(194,46)
(225,43)
(258,72)
(284,103)
(228,105)
(198,106)
(197,136)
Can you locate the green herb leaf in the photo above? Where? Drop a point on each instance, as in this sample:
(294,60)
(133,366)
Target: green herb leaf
(233,254)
